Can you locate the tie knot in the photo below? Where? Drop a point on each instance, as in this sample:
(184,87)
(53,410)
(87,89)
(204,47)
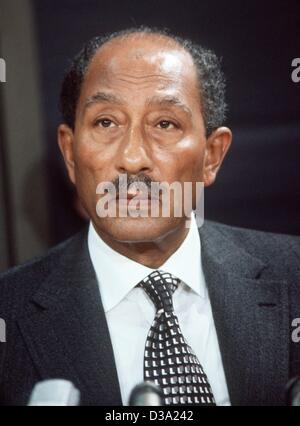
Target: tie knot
(160,286)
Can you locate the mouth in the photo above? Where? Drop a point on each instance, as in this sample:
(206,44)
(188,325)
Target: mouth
(138,196)
(137,201)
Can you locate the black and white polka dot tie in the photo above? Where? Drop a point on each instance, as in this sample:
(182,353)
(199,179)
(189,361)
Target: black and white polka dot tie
(169,361)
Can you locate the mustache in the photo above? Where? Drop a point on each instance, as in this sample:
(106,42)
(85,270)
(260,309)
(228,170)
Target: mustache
(124,181)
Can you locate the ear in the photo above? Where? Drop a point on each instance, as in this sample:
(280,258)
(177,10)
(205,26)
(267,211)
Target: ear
(65,138)
(217,146)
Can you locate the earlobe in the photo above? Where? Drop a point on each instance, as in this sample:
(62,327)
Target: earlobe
(65,137)
(217,145)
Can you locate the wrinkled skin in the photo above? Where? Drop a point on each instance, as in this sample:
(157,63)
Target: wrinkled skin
(139,112)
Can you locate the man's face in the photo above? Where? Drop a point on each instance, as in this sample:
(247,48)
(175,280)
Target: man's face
(139,113)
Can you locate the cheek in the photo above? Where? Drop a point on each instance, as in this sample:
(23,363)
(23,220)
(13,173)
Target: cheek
(192,157)
(185,162)
(90,155)
(89,170)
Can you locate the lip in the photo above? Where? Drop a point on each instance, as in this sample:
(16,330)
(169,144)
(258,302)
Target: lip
(137,196)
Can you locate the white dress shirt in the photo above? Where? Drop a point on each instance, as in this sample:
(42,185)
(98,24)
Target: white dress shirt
(130,312)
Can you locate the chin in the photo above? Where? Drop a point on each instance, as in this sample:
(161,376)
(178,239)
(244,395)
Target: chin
(137,229)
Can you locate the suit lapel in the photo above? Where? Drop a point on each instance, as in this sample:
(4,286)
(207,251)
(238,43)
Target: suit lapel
(251,318)
(66,330)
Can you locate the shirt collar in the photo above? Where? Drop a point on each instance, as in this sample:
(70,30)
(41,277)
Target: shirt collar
(117,275)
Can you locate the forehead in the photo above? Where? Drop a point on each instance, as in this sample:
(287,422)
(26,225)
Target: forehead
(142,64)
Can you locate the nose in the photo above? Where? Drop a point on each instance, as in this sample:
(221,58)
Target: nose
(134,155)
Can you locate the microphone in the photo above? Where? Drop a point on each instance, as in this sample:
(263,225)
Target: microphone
(292,392)
(146,393)
(54,392)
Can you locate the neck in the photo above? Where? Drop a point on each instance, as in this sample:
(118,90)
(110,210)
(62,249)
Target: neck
(152,254)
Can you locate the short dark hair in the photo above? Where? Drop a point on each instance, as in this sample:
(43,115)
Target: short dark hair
(211,77)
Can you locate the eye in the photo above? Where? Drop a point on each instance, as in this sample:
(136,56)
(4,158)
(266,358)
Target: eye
(166,124)
(105,122)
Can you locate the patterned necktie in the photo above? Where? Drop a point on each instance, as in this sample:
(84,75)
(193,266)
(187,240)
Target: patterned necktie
(169,361)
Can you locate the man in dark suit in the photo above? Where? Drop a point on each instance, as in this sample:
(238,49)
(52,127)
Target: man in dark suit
(204,315)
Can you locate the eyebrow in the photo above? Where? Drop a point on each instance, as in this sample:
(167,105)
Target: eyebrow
(169,100)
(104,97)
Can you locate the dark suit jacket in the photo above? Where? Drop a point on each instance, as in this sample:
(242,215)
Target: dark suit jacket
(56,326)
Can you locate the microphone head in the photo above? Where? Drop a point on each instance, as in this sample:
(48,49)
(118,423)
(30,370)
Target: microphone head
(146,394)
(292,392)
(54,392)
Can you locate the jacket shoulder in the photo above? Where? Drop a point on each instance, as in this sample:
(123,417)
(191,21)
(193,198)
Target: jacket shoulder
(19,283)
(268,246)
